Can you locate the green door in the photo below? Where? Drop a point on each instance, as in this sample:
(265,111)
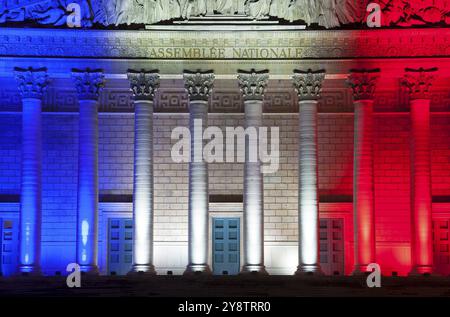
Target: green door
(226,246)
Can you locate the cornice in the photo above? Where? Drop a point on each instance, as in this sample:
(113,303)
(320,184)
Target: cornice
(230,45)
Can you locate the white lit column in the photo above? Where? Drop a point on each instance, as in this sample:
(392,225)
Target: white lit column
(418,83)
(363,84)
(88,84)
(198,85)
(31,83)
(143,85)
(252,84)
(308,85)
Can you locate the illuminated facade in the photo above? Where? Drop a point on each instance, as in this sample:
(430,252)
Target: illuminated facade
(87,175)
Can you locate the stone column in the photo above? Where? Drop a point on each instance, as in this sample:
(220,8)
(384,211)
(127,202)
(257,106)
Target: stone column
(417,83)
(32,84)
(308,85)
(253,84)
(198,85)
(363,83)
(143,85)
(88,84)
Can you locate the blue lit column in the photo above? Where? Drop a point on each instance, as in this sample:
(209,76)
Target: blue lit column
(198,85)
(252,85)
(32,83)
(88,84)
(143,85)
(308,85)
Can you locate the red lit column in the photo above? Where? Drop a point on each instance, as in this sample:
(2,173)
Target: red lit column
(199,86)
(88,84)
(252,84)
(363,84)
(31,83)
(418,82)
(143,85)
(308,85)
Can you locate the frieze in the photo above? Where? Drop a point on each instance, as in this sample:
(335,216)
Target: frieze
(223,100)
(201,45)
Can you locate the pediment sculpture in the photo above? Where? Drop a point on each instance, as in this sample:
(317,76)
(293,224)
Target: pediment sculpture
(326,13)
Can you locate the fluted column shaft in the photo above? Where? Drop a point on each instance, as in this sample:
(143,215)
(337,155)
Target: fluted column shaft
(308,221)
(308,85)
(418,83)
(143,187)
(363,188)
(199,85)
(143,85)
(252,84)
(421,187)
(88,84)
(363,83)
(198,188)
(32,83)
(31,186)
(87,233)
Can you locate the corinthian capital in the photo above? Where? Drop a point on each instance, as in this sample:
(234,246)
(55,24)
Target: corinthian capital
(144,84)
(199,84)
(32,82)
(88,83)
(253,83)
(417,82)
(363,83)
(308,84)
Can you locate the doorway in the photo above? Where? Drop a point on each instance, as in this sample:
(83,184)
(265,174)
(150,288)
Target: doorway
(226,246)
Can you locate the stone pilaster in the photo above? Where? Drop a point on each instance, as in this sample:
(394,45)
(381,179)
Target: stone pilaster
(144,85)
(253,85)
(308,85)
(363,84)
(88,84)
(417,83)
(32,84)
(199,85)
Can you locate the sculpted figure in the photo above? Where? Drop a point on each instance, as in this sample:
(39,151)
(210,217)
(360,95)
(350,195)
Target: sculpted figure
(258,8)
(327,13)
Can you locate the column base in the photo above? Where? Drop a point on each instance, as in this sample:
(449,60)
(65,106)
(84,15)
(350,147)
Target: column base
(305,269)
(140,269)
(91,270)
(29,270)
(259,270)
(197,269)
(422,270)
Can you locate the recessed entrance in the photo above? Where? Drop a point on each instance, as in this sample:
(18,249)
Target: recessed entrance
(226,246)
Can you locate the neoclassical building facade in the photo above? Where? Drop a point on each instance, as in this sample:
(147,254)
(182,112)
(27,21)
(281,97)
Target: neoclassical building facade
(88,176)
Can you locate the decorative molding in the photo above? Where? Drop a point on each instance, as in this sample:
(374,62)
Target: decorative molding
(226,101)
(363,83)
(32,82)
(308,84)
(253,83)
(144,84)
(88,83)
(176,45)
(278,99)
(417,82)
(199,84)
